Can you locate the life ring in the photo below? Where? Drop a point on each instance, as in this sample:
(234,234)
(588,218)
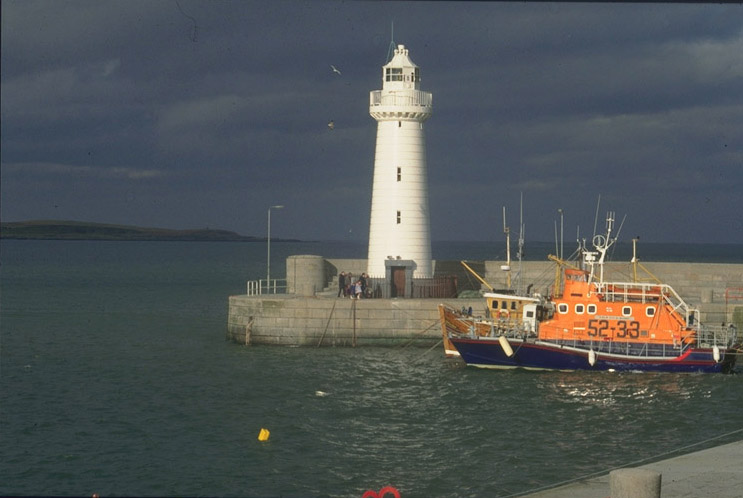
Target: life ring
(503,314)
(370,493)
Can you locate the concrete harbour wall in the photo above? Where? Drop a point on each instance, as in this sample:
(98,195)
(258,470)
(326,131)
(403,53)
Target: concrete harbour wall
(311,315)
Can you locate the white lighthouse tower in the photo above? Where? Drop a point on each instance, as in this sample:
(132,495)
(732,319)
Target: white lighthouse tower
(399,231)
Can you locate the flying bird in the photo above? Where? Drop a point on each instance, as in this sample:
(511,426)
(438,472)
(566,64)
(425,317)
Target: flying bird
(331,125)
(335,69)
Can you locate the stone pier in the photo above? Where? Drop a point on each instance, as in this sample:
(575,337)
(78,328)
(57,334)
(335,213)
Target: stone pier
(310,314)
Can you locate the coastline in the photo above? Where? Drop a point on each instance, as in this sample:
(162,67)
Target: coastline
(75,230)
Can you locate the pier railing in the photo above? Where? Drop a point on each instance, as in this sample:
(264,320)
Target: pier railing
(437,287)
(263,286)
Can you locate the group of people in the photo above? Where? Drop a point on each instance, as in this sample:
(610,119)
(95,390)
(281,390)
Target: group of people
(349,287)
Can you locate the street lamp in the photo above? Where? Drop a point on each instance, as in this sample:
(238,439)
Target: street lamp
(268,244)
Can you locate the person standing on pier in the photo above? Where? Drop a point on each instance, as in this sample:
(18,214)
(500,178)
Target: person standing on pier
(342,284)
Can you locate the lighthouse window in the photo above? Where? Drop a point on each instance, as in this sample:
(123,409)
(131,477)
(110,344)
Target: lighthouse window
(399,217)
(393,74)
(399,174)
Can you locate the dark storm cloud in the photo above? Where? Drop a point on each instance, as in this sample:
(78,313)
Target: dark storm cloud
(195,113)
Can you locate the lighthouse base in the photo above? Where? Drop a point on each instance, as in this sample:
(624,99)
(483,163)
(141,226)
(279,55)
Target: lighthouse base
(399,273)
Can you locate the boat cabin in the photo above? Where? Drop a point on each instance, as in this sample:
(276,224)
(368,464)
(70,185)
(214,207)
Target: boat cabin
(588,310)
(515,310)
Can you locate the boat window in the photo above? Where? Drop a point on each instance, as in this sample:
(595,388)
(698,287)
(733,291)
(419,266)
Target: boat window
(626,311)
(513,305)
(562,308)
(579,309)
(591,309)
(529,314)
(504,305)
(650,311)
(495,304)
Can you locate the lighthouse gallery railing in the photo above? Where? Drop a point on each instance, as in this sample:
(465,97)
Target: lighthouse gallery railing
(400,98)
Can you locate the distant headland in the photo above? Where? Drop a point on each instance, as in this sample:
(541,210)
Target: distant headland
(80,230)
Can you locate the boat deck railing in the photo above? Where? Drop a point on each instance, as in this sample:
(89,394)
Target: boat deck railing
(721,339)
(649,293)
(717,335)
(635,349)
(706,336)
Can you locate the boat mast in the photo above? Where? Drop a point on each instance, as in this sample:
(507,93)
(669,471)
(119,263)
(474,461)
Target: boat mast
(507,267)
(601,243)
(521,239)
(634,259)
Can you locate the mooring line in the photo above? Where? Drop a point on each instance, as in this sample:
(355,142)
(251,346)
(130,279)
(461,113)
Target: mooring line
(326,325)
(429,350)
(604,472)
(419,333)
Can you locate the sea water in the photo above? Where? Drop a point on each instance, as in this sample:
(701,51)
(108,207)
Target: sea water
(116,379)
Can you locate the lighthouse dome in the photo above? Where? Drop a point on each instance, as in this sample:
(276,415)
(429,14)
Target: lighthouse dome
(400,72)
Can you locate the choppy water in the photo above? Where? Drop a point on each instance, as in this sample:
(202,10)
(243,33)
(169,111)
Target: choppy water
(115,378)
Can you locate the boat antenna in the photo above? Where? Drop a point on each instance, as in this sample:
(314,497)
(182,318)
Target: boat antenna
(557,248)
(634,258)
(596,216)
(562,247)
(507,266)
(619,230)
(601,244)
(616,237)
(391,49)
(522,229)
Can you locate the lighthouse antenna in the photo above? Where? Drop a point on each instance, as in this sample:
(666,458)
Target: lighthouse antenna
(391,49)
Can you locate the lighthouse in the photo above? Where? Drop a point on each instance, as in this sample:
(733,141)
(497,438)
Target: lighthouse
(399,229)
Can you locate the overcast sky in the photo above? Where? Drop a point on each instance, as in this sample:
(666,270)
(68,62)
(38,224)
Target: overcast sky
(192,114)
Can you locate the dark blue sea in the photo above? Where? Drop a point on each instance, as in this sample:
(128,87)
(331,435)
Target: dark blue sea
(116,379)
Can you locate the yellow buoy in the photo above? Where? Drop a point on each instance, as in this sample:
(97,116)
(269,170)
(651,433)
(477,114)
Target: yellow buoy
(263,435)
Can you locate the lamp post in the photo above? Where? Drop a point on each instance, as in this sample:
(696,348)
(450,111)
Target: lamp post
(268,245)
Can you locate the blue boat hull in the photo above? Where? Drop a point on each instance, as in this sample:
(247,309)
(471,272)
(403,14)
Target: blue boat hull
(488,353)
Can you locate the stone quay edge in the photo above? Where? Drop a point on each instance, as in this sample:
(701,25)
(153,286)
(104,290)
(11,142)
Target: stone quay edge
(310,314)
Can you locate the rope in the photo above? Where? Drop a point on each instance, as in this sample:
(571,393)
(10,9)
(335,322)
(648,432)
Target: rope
(419,333)
(428,350)
(327,324)
(636,462)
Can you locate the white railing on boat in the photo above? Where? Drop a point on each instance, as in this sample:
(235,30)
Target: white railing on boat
(647,293)
(717,335)
(707,336)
